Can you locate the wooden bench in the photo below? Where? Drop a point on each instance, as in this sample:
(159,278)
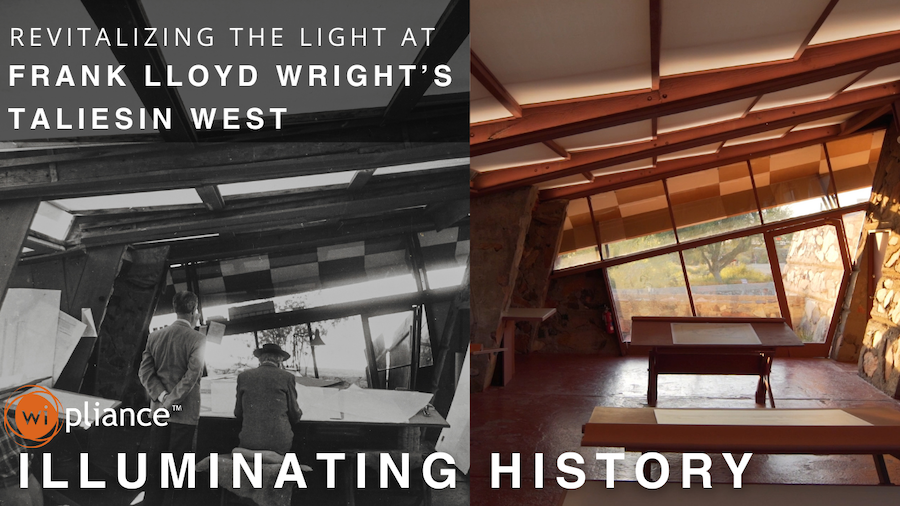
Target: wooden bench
(849,431)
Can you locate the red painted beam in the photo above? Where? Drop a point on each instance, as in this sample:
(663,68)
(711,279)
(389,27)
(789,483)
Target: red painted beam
(753,123)
(683,93)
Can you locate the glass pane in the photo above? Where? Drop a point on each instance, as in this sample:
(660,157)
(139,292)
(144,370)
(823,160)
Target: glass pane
(732,278)
(579,243)
(853,161)
(853,228)
(633,219)
(812,270)
(649,287)
(713,201)
(793,183)
(393,349)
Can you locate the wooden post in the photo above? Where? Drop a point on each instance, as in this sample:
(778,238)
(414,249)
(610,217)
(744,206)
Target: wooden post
(15,220)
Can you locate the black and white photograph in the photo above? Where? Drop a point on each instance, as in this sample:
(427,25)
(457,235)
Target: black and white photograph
(235,255)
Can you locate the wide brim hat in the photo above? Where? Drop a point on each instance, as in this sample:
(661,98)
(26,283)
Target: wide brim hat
(271,348)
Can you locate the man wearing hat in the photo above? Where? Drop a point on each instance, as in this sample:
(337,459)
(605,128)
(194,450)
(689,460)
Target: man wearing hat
(266,404)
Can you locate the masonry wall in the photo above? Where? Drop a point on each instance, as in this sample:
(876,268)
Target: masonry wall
(879,361)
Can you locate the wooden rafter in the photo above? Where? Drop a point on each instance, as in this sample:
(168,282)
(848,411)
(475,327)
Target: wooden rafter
(725,156)
(494,87)
(449,33)
(864,118)
(211,197)
(365,203)
(815,29)
(683,93)
(126,15)
(754,123)
(213,164)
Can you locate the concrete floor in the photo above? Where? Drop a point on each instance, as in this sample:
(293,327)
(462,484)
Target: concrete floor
(552,396)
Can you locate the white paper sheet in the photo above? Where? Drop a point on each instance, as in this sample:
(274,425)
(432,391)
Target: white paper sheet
(87,317)
(714,333)
(455,439)
(68,333)
(214,332)
(28,323)
(805,417)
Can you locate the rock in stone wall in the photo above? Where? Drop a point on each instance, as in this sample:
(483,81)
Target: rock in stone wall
(538,256)
(499,223)
(879,360)
(812,277)
(578,325)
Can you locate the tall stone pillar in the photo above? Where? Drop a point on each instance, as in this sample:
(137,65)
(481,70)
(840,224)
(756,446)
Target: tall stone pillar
(879,358)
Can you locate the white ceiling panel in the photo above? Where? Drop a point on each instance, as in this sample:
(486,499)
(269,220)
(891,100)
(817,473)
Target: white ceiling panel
(858,18)
(833,120)
(562,182)
(813,92)
(762,136)
(130,200)
(625,167)
(702,35)
(628,133)
(704,116)
(881,75)
(524,155)
(483,106)
(545,51)
(707,149)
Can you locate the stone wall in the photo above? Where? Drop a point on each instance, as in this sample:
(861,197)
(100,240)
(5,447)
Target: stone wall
(812,277)
(578,325)
(536,265)
(879,360)
(124,331)
(499,224)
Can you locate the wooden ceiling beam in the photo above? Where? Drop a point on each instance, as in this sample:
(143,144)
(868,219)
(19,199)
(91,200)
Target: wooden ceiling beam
(274,217)
(449,33)
(495,88)
(587,161)
(301,239)
(127,15)
(815,29)
(864,118)
(683,93)
(209,165)
(725,156)
(211,197)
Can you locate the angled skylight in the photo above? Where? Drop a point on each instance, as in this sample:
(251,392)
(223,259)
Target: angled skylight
(287,183)
(414,167)
(51,221)
(131,200)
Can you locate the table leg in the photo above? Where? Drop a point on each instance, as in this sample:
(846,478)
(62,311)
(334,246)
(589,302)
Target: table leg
(883,477)
(651,383)
(509,353)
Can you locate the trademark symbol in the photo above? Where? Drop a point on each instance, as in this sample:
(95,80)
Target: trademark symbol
(176,408)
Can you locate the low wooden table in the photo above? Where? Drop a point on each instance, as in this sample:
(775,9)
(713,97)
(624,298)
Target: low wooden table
(689,345)
(507,366)
(849,431)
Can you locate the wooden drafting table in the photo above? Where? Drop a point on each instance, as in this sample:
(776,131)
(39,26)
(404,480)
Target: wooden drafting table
(849,431)
(712,346)
(335,414)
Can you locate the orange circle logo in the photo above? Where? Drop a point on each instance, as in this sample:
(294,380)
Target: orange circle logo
(36,415)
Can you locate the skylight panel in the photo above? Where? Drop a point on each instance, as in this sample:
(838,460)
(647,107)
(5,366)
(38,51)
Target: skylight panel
(132,200)
(286,183)
(52,221)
